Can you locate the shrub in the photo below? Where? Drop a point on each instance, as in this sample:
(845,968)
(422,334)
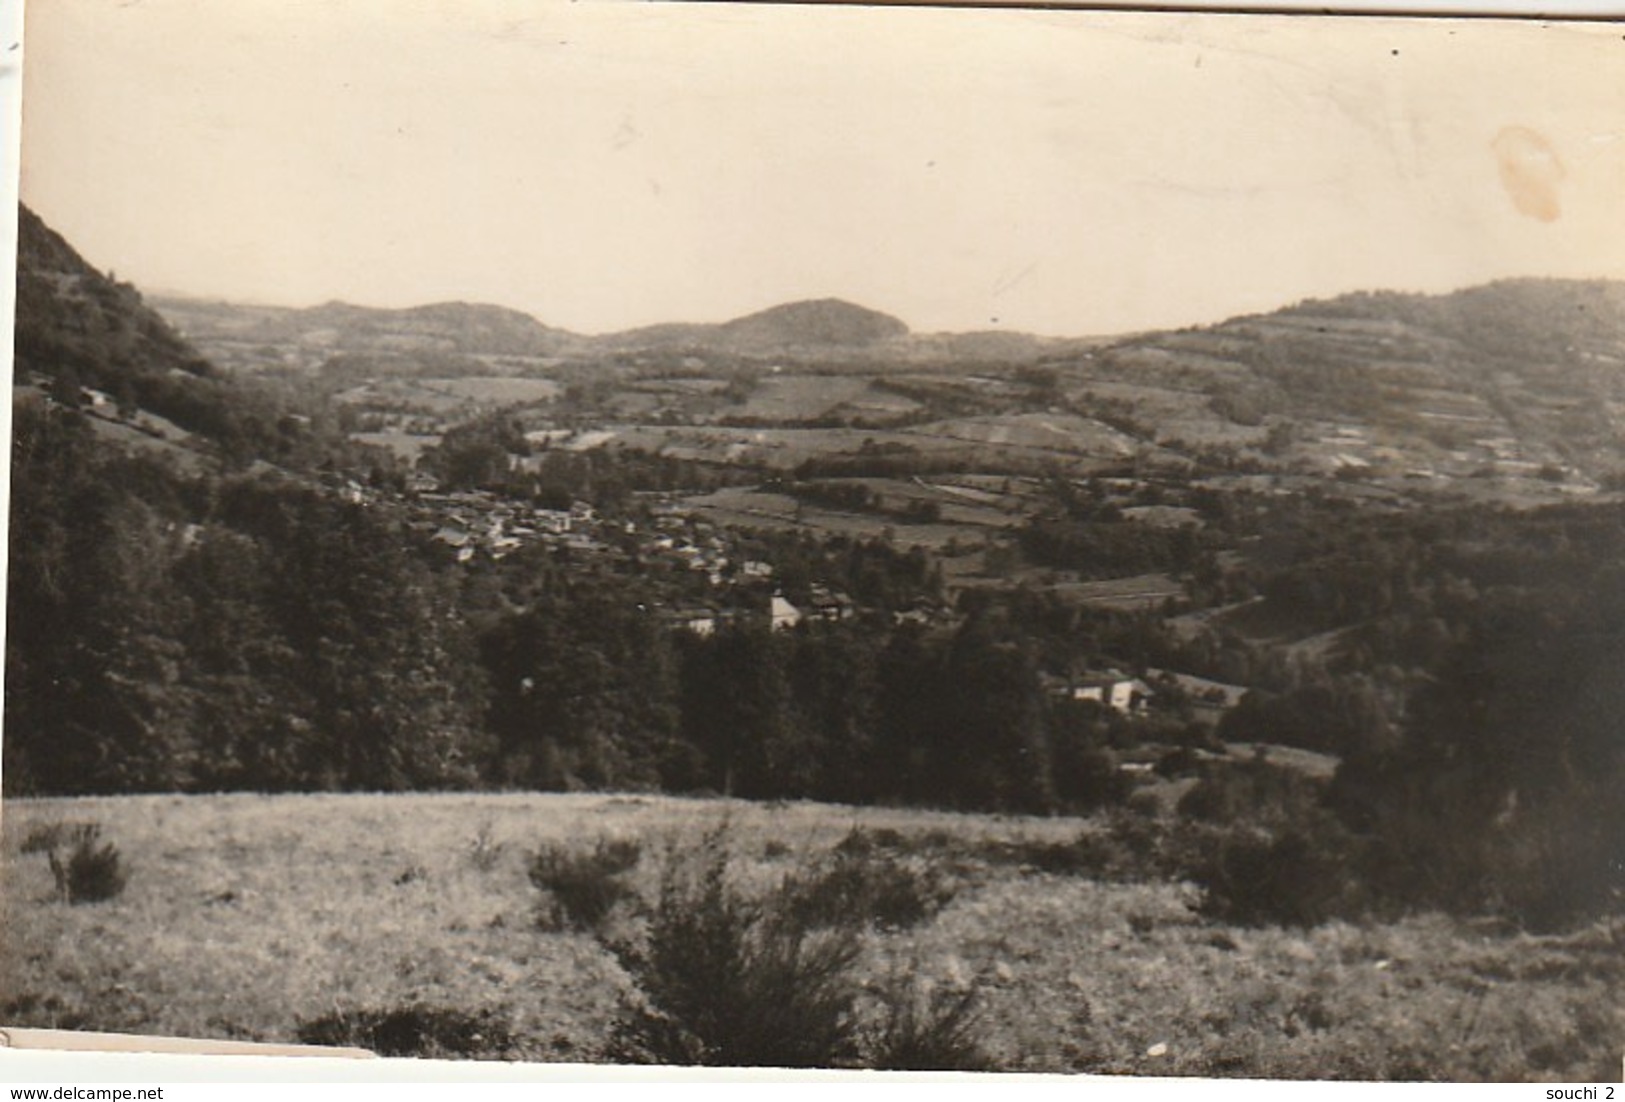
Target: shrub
(864,890)
(725,980)
(484,851)
(860,842)
(1255,791)
(583,888)
(927,1030)
(728,978)
(1089,779)
(91,872)
(1132,848)
(1251,878)
(418,1030)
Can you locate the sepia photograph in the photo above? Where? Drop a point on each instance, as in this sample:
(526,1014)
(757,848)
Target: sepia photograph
(820,536)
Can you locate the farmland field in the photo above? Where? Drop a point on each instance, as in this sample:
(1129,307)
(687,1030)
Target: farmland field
(407,445)
(496,389)
(768,510)
(452,394)
(247,915)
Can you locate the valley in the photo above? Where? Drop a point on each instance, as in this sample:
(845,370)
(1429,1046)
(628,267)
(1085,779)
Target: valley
(1282,651)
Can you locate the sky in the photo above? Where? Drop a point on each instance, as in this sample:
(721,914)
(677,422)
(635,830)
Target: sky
(603,165)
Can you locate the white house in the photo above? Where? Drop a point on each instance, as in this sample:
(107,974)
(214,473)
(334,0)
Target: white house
(1115,690)
(784,614)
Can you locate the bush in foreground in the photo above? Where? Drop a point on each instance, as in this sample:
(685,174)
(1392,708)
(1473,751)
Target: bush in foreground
(1252,878)
(853,889)
(730,981)
(584,887)
(92,870)
(726,978)
(927,1030)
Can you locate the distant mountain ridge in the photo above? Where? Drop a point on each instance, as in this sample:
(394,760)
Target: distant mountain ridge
(443,327)
(808,331)
(1519,378)
(811,328)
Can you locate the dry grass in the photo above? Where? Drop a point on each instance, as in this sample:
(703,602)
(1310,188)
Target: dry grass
(246,915)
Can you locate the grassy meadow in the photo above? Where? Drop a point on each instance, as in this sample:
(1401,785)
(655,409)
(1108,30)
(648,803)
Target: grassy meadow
(245,916)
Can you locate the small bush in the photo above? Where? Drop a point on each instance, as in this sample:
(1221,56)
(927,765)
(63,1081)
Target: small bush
(1250,878)
(860,842)
(583,888)
(425,1031)
(1255,791)
(484,851)
(1129,849)
(729,978)
(91,872)
(932,1030)
(862,891)
(725,980)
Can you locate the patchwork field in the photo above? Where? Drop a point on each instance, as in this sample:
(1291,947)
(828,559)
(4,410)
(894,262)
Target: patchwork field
(247,915)
(966,521)
(445,396)
(804,397)
(406,445)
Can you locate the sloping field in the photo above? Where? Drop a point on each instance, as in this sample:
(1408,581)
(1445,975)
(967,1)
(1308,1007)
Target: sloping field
(447,395)
(405,445)
(161,438)
(747,508)
(1049,431)
(496,390)
(246,915)
(779,448)
(1139,591)
(799,397)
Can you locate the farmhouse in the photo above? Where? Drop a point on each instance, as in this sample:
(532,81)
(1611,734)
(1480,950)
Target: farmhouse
(1114,689)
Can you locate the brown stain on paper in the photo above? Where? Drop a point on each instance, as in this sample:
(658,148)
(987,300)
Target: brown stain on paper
(1530,172)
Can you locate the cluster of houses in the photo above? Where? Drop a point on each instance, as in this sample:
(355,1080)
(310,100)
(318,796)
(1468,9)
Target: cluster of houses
(469,523)
(472,523)
(697,546)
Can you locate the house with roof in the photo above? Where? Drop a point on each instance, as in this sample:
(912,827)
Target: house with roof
(1112,688)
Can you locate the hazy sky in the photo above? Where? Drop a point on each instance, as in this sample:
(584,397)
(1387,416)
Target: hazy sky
(603,165)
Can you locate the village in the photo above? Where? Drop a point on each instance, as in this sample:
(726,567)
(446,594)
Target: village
(713,582)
